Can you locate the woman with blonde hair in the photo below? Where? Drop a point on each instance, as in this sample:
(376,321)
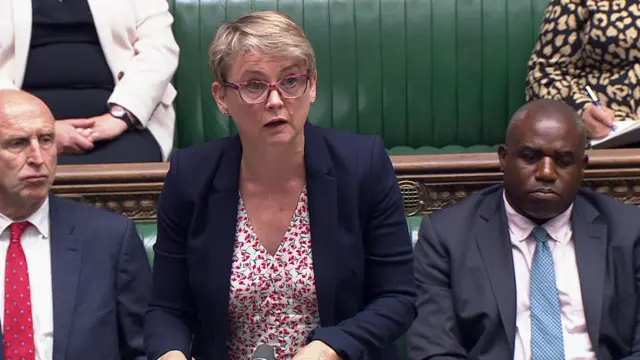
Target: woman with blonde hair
(287,235)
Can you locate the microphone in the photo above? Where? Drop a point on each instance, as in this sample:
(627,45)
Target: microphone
(264,352)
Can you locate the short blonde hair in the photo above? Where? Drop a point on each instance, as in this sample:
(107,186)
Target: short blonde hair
(269,31)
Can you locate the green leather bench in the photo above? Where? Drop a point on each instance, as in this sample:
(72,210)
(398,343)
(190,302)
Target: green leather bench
(429,76)
(148,232)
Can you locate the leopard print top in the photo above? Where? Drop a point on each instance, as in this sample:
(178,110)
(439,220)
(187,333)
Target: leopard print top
(589,42)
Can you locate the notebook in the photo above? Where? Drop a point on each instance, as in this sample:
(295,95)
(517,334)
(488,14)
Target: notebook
(626,133)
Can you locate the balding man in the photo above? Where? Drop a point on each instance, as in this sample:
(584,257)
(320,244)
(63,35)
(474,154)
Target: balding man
(537,268)
(75,278)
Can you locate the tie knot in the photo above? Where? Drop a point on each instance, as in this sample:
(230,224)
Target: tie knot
(17,229)
(540,234)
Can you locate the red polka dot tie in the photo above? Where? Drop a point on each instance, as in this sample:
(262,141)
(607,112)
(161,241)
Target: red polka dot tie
(18,325)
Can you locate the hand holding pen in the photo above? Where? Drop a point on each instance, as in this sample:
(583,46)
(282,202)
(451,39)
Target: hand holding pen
(598,118)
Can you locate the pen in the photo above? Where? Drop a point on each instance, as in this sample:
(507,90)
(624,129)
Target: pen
(596,101)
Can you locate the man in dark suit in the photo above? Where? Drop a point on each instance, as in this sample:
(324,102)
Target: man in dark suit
(537,268)
(76,278)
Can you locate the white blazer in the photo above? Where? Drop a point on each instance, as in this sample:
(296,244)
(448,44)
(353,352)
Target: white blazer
(138,43)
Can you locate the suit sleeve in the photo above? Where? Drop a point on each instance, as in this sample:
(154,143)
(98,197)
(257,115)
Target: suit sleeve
(635,346)
(554,66)
(171,316)
(389,283)
(133,288)
(147,78)
(434,334)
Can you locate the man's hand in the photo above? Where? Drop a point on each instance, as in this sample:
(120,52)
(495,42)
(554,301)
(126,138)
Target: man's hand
(316,350)
(598,120)
(71,138)
(107,127)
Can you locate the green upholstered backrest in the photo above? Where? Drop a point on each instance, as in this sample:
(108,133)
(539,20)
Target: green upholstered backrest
(417,72)
(148,232)
(414,222)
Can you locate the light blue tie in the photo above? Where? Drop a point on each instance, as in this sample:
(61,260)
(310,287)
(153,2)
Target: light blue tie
(546,320)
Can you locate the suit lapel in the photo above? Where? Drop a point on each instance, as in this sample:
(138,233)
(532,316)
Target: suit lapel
(214,228)
(590,239)
(323,205)
(66,254)
(492,236)
(22,19)
(107,31)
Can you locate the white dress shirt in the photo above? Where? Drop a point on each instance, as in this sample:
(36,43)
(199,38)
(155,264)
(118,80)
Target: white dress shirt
(35,242)
(577,345)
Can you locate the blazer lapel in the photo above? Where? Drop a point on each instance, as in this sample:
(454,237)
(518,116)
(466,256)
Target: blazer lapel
(22,19)
(108,32)
(492,236)
(213,238)
(66,254)
(323,209)
(590,239)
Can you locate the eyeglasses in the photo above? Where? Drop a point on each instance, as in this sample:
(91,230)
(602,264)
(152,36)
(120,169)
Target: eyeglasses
(254,91)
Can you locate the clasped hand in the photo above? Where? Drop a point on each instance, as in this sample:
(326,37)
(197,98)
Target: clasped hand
(77,136)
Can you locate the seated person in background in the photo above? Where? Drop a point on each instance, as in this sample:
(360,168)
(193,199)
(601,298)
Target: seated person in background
(537,268)
(76,278)
(589,43)
(102,67)
(289,235)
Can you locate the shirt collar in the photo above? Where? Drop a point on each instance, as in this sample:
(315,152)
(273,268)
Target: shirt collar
(520,227)
(39,219)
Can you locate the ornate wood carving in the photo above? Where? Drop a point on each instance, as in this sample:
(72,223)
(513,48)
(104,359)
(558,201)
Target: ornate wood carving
(130,189)
(427,182)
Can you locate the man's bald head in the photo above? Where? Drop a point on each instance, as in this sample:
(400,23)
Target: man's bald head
(18,103)
(27,153)
(545,109)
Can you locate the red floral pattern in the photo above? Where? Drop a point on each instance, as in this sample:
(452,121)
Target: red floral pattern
(273,297)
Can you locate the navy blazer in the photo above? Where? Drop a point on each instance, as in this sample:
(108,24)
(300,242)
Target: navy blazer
(101,281)
(467,285)
(362,252)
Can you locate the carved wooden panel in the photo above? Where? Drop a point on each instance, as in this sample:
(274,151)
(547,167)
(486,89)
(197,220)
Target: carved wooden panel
(129,189)
(427,182)
(140,206)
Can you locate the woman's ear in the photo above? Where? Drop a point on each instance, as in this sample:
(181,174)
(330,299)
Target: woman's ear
(220,95)
(313,81)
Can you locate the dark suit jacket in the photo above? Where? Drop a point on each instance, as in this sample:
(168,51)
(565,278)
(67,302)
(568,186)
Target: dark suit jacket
(362,253)
(101,280)
(466,281)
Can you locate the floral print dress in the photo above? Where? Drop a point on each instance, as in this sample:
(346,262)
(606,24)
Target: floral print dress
(272,297)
